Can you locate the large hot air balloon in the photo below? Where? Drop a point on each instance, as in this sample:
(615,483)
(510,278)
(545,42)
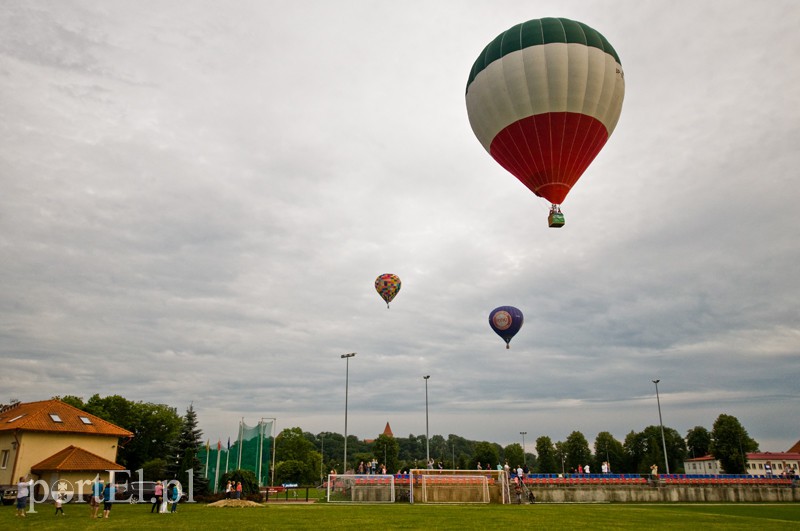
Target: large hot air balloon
(543,98)
(506,322)
(387,286)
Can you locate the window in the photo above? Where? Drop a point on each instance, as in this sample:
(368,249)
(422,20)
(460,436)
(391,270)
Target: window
(85,420)
(4,459)
(16,418)
(55,417)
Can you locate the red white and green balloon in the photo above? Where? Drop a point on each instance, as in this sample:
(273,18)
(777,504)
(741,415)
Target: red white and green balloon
(543,98)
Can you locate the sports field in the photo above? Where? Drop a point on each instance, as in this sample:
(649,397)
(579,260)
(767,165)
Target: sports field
(324,516)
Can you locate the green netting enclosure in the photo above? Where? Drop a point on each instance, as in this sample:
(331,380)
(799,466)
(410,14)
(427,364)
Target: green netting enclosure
(252,450)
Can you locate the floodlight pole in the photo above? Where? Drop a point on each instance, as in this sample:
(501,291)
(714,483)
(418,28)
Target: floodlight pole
(321,459)
(661,423)
(524,459)
(427,437)
(346,390)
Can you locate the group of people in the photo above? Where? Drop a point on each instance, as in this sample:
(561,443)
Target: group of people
(24,491)
(371,468)
(164,495)
(233,490)
(101,493)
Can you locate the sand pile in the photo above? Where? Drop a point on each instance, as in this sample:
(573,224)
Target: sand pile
(235,503)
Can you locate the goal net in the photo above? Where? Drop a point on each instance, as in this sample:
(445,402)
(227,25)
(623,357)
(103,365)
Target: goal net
(452,486)
(361,488)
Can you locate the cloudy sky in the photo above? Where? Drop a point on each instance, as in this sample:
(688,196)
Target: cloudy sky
(196,198)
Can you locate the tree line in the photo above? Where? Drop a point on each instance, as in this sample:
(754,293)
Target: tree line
(165,445)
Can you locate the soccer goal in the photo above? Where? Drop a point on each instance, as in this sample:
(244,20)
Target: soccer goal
(361,488)
(451,486)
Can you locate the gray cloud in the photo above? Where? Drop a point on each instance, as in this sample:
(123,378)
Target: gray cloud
(197,199)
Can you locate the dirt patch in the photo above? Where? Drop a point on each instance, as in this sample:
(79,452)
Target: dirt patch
(235,503)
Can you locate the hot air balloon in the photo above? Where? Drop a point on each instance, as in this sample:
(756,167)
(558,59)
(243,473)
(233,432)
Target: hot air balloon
(543,98)
(387,286)
(506,322)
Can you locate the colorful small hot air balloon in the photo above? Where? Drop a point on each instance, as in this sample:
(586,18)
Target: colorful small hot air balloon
(506,322)
(543,98)
(387,286)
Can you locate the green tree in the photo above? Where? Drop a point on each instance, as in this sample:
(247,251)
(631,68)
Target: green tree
(547,462)
(296,459)
(514,455)
(646,448)
(74,401)
(386,449)
(247,477)
(577,450)
(292,445)
(485,452)
(155,469)
(154,427)
(185,450)
(412,450)
(608,449)
(698,441)
(730,443)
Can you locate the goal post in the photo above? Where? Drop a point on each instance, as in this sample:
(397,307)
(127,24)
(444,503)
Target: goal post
(455,486)
(361,488)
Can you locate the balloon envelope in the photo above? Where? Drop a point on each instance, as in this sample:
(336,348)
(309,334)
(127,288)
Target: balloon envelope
(387,286)
(543,98)
(506,322)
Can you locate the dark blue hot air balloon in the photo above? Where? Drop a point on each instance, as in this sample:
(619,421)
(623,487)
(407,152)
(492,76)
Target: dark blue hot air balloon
(506,322)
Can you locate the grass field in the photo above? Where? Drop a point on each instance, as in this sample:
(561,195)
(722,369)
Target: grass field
(324,516)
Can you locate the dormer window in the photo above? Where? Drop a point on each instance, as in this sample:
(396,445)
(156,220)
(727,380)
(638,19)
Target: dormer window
(85,420)
(55,417)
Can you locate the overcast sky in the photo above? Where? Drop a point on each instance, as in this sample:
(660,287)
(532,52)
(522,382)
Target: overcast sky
(196,198)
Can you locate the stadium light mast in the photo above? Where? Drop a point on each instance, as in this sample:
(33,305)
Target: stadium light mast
(346,390)
(661,423)
(524,458)
(427,437)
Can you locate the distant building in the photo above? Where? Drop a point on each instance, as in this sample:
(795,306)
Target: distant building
(758,464)
(386,431)
(55,442)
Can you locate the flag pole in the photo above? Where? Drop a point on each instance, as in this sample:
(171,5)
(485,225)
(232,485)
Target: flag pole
(216,472)
(208,451)
(241,427)
(260,447)
(228,455)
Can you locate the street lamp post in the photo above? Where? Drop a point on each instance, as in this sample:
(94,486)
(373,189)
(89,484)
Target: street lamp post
(427,438)
(661,423)
(524,457)
(346,389)
(321,459)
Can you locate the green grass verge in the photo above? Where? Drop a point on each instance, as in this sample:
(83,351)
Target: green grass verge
(404,516)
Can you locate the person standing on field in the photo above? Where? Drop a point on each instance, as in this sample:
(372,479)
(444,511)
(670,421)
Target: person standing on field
(157,496)
(97,496)
(58,501)
(23,491)
(108,498)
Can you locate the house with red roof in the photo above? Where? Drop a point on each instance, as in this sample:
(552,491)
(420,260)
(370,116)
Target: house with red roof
(55,443)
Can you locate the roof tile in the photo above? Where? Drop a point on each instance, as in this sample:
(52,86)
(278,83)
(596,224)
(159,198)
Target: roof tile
(36,416)
(75,459)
